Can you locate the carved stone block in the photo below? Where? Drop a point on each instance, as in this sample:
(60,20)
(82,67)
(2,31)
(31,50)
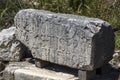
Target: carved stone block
(74,41)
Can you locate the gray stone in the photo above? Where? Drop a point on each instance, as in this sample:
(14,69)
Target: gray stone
(27,71)
(10,48)
(41,63)
(74,41)
(86,75)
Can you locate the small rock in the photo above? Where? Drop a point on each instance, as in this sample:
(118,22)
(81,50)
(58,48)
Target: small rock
(119,65)
(117,51)
(116,54)
(10,48)
(27,71)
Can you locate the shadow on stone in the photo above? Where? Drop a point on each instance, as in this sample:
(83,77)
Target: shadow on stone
(114,74)
(64,69)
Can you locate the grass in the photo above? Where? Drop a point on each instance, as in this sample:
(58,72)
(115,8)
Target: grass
(117,41)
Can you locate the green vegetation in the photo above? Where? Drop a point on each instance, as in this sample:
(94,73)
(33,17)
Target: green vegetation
(103,9)
(117,41)
(8,9)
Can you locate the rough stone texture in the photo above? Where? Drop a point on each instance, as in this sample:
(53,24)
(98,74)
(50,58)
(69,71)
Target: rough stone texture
(75,41)
(27,71)
(10,48)
(115,62)
(40,63)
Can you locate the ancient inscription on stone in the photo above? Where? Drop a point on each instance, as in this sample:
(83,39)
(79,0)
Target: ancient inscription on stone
(74,41)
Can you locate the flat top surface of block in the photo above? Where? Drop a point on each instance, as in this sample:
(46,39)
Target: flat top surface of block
(27,71)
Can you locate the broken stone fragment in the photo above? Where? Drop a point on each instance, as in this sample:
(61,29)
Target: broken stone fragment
(10,48)
(74,41)
(27,71)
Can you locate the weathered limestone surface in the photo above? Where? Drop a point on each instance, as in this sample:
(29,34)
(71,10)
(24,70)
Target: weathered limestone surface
(27,71)
(75,41)
(10,48)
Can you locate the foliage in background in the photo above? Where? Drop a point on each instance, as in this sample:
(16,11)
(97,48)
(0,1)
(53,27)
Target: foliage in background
(8,9)
(103,9)
(117,42)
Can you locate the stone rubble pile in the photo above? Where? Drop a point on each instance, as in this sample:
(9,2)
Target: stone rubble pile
(11,49)
(40,37)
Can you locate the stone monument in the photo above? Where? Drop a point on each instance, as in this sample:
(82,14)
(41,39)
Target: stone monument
(75,41)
